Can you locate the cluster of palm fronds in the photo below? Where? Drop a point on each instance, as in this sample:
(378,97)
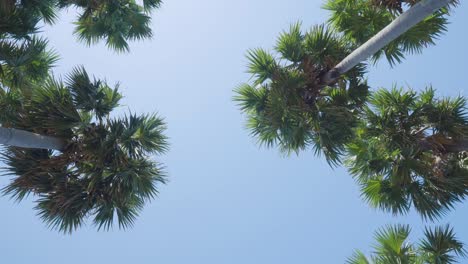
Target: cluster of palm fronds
(103,171)
(359,20)
(116,21)
(24,61)
(288,104)
(394,246)
(409,149)
(405,149)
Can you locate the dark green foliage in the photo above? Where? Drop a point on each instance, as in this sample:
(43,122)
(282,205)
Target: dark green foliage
(24,62)
(19,19)
(440,246)
(104,172)
(360,20)
(287,103)
(394,5)
(24,59)
(409,150)
(115,21)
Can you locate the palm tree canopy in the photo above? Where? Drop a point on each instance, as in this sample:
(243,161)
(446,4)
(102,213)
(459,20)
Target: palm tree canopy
(24,62)
(287,105)
(408,151)
(439,246)
(104,172)
(360,20)
(116,22)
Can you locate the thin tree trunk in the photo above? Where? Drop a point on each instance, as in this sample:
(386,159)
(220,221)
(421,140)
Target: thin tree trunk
(400,25)
(452,146)
(25,139)
(459,146)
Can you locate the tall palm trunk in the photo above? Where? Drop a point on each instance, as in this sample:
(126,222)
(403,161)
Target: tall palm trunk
(400,25)
(25,139)
(450,146)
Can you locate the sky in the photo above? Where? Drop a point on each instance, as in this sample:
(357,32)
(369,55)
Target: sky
(227,200)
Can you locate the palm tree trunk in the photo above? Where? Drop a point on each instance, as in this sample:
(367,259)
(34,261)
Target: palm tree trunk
(459,146)
(26,139)
(449,146)
(400,25)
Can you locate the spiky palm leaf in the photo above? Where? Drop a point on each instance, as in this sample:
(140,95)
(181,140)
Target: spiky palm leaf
(439,246)
(359,20)
(116,22)
(19,19)
(287,103)
(25,62)
(408,151)
(104,172)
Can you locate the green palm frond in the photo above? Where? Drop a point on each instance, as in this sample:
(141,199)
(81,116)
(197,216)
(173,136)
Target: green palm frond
(262,65)
(25,62)
(114,21)
(358,258)
(10,103)
(441,246)
(45,9)
(149,5)
(290,44)
(19,19)
(94,95)
(408,151)
(393,246)
(104,172)
(288,106)
(359,20)
(139,134)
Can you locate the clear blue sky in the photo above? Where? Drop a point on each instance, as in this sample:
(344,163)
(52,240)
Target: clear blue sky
(227,201)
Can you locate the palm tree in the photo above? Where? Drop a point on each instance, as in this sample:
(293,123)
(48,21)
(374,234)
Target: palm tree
(410,149)
(285,103)
(440,246)
(278,102)
(115,21)
(404,149)
(386,35)
(24,62)
(360,20)
(102,168)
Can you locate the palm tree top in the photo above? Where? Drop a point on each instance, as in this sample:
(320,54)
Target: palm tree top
(114,21)
(410,150)
(393,245)
(104,172)
(286,102)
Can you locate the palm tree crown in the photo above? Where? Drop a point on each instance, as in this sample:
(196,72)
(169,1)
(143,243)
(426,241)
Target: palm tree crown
(288,105)
(115,21)
(24,62)
(104,171)
(410,149)
(439,246)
